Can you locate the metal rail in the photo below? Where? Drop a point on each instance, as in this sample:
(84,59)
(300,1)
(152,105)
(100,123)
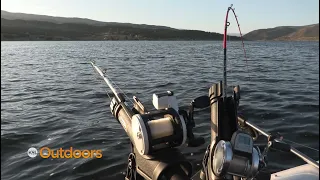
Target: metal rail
(292,149)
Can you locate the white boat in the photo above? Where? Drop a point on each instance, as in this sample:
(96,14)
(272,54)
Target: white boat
(306,171)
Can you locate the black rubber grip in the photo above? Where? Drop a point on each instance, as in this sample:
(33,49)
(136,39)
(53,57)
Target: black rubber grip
(281,146)
(176,174)
(196,142)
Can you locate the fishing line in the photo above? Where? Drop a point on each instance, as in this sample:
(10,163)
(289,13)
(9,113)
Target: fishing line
(104,72)
(98,78)
(225,42)
(118,87)
(246,59)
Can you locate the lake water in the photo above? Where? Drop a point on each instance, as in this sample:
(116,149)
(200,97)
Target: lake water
(51,96)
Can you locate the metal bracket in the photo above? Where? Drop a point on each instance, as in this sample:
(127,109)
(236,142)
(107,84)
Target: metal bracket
(205,162)
(131,168)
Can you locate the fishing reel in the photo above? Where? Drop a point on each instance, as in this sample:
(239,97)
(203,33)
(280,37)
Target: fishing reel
(160,129)
(155,134)
(166,127)
(237,157)
(231,152)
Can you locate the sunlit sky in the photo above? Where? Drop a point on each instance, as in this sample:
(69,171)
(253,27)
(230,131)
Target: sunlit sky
(207,15)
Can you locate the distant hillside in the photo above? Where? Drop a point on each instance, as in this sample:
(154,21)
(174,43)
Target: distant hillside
(286,33)
(19,26)
(75,20)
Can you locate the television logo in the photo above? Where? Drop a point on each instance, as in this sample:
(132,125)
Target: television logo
(32,152)
(46,152)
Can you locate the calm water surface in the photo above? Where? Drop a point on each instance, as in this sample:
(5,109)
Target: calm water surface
(51,96)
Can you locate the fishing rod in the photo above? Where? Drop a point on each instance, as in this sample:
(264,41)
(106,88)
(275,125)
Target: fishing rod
(291,149)
(118,104)
(231,153)
(154,135)
(225,34)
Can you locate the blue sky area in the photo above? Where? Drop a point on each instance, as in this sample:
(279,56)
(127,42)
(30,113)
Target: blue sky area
(207,15)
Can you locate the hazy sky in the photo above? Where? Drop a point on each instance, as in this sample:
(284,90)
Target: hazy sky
(205,15)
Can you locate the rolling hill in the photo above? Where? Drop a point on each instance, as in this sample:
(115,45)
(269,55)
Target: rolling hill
(20,26)
(286,33)
(61,20)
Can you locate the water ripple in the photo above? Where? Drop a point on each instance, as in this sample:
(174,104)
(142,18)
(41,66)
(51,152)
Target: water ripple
(51,96)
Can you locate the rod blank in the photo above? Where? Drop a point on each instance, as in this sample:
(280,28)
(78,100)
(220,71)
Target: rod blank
(115,92)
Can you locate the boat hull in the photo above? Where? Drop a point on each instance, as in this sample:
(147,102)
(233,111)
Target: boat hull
(306,171)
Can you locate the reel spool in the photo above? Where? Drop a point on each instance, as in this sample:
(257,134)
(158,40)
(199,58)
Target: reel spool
(164,128)
(237,157)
